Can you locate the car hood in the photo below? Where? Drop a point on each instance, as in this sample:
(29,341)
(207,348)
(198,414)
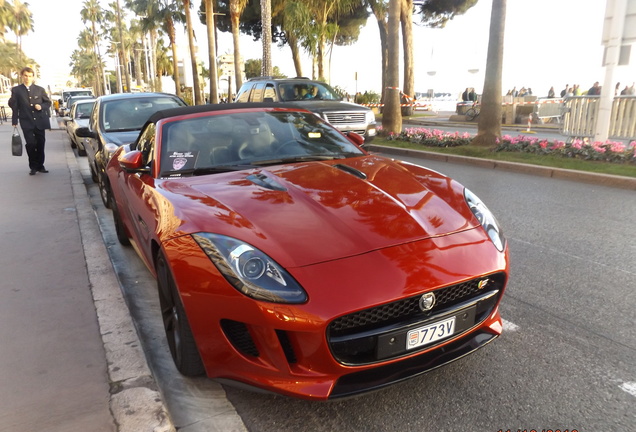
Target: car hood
(328,106)
(305,213)
(120,138)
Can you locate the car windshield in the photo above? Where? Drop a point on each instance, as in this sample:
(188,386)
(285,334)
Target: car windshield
(306,91)
(226,142)
(84,109)
(131,113)
(68,94)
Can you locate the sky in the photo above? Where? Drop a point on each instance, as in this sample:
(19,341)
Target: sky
(547,43)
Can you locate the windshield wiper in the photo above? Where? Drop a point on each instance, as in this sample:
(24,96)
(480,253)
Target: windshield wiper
(292,159)
(206,170)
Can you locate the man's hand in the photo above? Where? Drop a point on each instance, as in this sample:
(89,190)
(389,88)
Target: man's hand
(37,107)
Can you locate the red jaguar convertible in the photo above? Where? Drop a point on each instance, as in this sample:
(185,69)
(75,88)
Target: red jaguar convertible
(289,259)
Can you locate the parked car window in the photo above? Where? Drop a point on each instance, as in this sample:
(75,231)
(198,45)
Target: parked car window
(269,95)
(131,114)
(83,110)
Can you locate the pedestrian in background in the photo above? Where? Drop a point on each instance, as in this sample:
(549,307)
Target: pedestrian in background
(31,106)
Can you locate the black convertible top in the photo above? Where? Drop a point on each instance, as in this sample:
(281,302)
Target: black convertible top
(173,112)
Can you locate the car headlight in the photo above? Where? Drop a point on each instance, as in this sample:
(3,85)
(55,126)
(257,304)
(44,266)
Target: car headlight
(486,219)
(370,116)
(249,270)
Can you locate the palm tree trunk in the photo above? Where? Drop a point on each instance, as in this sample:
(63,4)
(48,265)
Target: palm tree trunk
(407,41)
(175,58)
(489,126)
(196,87)
(266,17)
(211,28)
(391,115)
(292,41)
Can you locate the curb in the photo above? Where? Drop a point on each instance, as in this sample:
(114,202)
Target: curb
(135,401)
(558,173)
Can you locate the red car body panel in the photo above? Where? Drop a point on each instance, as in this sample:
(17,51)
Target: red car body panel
(351,243)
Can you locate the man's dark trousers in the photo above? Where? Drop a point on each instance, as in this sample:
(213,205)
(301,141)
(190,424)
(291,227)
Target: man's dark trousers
(35,140)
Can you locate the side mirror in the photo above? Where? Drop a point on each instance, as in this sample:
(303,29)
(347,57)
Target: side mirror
(85,132)
(132,162)
(356,138)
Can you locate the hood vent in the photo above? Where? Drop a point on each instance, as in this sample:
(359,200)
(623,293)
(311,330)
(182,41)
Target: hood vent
(351,170)
(266,182)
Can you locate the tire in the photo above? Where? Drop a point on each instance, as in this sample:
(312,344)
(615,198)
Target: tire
(120,228)
(181,342)
(81,151)
(471,114)
(104,190)
(93,175)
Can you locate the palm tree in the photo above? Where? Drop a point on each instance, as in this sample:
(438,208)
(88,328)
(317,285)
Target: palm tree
(93,12)
(266,18)
(122,45)
(211,29)
(407,41)
(391,118)
(196,87)
(236,10)
(21,24)
(150,22)
(489,126)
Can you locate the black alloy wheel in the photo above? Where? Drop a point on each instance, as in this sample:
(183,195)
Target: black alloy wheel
(181,342)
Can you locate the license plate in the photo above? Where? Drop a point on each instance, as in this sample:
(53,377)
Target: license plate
(430,333)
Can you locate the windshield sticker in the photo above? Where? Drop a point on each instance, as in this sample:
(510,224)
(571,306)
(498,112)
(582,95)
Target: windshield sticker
(182,160)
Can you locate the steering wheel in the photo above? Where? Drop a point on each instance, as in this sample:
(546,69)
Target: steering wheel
(292,144)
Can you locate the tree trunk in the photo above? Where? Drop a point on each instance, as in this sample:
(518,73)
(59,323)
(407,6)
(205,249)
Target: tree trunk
(214,79)
(384,31)
(292,41)
(266,18)
(124,55)
(196,86)
(489,127)
(407,41)
(235,15)
(156,79)
(175,59)
(391,115)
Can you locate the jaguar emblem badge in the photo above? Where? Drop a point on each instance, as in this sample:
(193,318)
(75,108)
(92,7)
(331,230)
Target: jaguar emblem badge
(427,301)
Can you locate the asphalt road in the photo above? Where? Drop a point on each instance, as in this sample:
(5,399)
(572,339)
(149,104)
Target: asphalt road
(566,360)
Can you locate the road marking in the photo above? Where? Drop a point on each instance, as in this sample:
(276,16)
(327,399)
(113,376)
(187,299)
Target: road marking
(509,326)
(629,387)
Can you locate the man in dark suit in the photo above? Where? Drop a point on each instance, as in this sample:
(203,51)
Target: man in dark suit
(30,105)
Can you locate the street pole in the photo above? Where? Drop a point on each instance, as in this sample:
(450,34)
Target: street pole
(612,54)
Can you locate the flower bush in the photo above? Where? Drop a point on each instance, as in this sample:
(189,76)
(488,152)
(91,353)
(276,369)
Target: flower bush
(430,138)
(609,151)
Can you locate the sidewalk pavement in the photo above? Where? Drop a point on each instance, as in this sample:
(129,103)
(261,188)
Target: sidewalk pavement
(70,358)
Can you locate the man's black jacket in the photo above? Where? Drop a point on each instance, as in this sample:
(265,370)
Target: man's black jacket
(22,104)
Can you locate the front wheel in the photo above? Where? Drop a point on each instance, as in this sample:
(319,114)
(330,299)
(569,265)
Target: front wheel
(181,342)
(104,190)
(120,228)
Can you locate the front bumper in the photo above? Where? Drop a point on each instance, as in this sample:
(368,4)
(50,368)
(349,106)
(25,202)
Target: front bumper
(295,349)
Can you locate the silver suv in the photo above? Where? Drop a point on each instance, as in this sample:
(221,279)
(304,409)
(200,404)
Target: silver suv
(314,96)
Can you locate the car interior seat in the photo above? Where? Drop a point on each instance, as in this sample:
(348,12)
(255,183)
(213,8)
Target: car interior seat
(258,141)
(219,129)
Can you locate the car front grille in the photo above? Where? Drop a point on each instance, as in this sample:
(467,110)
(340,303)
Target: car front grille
(354,338)
(345,118)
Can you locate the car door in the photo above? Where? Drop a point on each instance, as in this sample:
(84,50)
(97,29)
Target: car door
(141,209)
(92,144)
